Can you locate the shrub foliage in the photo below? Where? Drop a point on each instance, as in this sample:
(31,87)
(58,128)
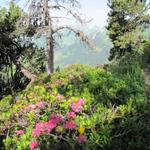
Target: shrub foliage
(79,108)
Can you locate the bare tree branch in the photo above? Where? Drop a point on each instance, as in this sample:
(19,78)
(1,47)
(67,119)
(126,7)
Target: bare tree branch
(75,15)
(78,33)
(41,21)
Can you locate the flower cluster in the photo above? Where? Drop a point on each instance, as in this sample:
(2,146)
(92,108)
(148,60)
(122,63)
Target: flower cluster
(33,145)
(76,107)
(34,107)
(47,127)
(71,115)
(81,139)
(59,97)
(41,105)
(70,125)
(19,132)
(58,123)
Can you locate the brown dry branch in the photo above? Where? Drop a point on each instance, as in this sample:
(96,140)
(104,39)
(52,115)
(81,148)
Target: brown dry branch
(69,11)
(79,34)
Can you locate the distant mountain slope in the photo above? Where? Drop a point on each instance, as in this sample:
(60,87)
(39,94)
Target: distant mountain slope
(72,51)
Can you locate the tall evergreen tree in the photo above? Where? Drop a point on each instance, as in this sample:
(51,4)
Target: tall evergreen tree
(126,23)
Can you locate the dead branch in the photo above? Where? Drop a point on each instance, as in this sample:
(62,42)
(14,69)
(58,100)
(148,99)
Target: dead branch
(75,15)
(31,77)
(79,34)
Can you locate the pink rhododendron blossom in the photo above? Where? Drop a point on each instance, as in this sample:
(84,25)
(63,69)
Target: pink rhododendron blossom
(59,97)
(81,102)
(39,129)
(32,106)
(81,139)
(40,126)
(56,118)
(49,126)
(70,125)
(19,132)
(27,109)
(33,145)
(70,115)
(44,127)
(76,107)
(36,133)
(41,105)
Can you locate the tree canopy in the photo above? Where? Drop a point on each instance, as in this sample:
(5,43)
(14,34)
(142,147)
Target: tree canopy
(13,51)
(126,23)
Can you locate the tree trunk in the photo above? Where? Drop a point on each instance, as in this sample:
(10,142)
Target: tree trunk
(50,53)
(49,39)
(28,74)
(31,77)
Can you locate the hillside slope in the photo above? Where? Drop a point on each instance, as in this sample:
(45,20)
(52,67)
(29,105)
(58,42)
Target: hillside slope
(70,50)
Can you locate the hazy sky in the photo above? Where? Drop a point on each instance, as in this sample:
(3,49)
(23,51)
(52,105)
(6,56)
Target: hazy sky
(96,9)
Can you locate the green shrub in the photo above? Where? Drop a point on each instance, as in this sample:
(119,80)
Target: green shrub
(5,114)
(5,107)
(79,108)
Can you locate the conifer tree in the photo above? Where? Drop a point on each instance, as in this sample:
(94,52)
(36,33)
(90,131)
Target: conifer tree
(126,23)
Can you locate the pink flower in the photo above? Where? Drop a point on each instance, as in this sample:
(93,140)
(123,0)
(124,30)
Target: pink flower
(81,102)
(26,109)
(70,115)
(32,106)
(56,118)
(70,125)
(59,97)
(41,105)
(33,145)
(49,126)
(39,129)
(36,133)
(19,132)
(44,127)
(40,126)
(76,107)
(81,139)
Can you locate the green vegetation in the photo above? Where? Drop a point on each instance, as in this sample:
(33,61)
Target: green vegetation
(110,113)
(17,53)
(79,107)
(127,20)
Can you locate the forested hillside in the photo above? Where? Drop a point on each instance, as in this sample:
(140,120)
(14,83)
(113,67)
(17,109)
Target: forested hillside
(71,51)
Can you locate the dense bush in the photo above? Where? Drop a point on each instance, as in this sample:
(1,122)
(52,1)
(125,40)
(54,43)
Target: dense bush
(79,108)
(5,106)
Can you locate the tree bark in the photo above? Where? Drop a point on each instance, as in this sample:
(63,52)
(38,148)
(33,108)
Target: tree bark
(50,55)
(49,39)
(31,77)
(28,74)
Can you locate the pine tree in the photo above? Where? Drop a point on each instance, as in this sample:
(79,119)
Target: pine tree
(126,23)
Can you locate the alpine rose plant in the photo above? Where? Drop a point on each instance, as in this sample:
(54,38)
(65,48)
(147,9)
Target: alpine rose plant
(70,125)
(71,115)
(33,145)
(19,132)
